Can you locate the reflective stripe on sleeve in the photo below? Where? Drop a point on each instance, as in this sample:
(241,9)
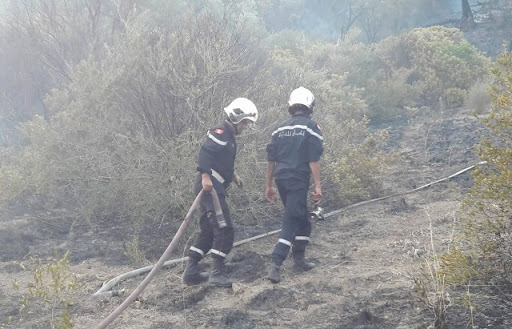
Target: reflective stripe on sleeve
(216,140)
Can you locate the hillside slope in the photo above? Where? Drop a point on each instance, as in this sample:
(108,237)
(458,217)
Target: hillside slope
(368,257)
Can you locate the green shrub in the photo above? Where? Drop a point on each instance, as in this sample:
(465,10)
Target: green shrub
(49,294)
(481,257)
(445,65)
(440,64)
(488,208)
(457,267)
(419,68)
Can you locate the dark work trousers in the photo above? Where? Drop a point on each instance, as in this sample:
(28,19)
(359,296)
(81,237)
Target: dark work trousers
(212,237)
(296,228)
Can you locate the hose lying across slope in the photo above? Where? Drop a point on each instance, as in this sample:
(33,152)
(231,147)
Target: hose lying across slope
(105,291)
(406,192)
(136,293)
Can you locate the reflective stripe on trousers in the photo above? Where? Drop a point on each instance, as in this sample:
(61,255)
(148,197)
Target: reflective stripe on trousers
(296,227)
(211,236)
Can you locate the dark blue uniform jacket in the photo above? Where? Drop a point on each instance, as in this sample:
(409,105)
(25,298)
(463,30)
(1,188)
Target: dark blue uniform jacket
(295,143)
(218,153)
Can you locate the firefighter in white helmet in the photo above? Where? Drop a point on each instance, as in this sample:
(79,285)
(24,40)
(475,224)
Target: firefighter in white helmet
(293,157)
(216,163)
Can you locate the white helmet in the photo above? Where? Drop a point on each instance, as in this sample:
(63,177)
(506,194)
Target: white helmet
(302,96)
(241,109)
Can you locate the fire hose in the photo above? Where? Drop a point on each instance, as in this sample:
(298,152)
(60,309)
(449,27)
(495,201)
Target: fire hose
(316,214)
(136,293)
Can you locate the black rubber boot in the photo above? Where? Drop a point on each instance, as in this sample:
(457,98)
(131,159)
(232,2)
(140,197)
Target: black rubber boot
(300,264)
(192,275)
(273,274)
(218,276)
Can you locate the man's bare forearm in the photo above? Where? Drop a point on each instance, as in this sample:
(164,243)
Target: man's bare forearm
(270,173)
(315,172)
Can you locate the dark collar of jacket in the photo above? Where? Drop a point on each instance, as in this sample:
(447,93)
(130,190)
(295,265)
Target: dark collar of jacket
(227,128)
(307,115)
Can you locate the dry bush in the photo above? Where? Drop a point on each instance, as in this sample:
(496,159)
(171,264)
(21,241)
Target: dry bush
(478,98)
(123,137)
(42,41)
(358,168)
(389,93)
(430,283)
(438,272)
(433,291)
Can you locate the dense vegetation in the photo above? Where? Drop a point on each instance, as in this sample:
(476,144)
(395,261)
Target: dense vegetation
(484,253)
(122,96)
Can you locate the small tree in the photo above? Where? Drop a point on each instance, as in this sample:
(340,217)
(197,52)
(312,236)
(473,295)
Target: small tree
(489,227)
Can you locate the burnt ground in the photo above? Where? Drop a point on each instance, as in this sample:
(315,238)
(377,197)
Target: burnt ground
(368,257)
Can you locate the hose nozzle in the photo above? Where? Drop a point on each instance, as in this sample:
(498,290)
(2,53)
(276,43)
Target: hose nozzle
(317,214)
